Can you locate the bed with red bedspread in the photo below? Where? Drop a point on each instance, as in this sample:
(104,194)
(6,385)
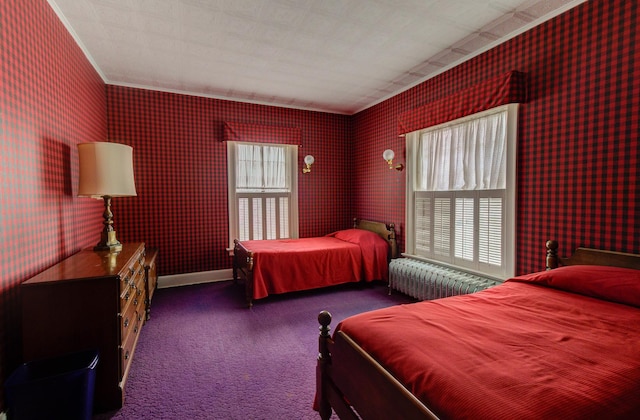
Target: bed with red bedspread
(563,343)
(279,266)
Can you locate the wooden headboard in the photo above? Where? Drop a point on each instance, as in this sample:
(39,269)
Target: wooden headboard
(589,256)
(384,230)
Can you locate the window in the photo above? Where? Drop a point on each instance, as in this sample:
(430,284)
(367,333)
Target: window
(262,191)
(461,192)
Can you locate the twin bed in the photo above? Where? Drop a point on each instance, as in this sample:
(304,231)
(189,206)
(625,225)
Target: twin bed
(280,266)
(563,343)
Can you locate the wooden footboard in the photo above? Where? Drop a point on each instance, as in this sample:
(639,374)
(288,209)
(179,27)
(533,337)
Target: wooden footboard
(350,381)
(243,269)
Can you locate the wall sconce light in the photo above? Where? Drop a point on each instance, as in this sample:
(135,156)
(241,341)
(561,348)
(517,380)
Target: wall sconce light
(388,155)
(106,171)
(308,161)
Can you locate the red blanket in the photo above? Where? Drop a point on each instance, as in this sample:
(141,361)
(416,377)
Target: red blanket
(287,265)
(516,351)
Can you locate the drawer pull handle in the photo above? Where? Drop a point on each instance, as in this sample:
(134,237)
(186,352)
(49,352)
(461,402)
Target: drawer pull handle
(126,322)
(135,302)
(135,330)
(126,296)
(126,355)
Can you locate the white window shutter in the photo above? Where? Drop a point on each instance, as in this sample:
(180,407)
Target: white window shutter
(442,227)
(423,225)
(490,231)
(464,231)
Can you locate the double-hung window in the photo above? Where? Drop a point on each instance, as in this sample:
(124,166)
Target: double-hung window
(461,192)
(262,191)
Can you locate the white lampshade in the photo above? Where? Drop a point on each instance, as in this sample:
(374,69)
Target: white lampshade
(106,169)
(388,154)
(309,160)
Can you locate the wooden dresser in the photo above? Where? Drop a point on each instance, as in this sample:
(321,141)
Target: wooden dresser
(91,300)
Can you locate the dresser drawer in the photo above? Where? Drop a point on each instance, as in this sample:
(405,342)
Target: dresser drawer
(139,303)
(132,291)
(128,318)
(132,274)
(131,323)
(128,345)
(132,312)
(126,297)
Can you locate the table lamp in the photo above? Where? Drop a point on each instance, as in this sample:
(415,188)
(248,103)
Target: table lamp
(106,171)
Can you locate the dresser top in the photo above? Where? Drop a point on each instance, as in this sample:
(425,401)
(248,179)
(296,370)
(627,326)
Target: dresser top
(89,264)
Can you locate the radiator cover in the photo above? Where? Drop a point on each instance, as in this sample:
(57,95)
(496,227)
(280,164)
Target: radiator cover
(424,280)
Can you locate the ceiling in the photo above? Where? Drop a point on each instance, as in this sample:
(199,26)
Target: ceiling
(338,56)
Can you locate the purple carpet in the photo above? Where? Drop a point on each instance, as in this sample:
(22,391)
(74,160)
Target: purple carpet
(204,355)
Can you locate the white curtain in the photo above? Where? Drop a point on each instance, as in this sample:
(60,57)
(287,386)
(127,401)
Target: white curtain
(469,155)
(261,167)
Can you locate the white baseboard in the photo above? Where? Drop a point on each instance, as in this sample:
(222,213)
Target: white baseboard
(194,278)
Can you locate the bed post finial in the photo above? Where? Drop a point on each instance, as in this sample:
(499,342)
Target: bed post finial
(324,359)
(552,254)
(324,318)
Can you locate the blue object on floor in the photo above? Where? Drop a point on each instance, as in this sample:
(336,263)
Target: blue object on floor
(56,388)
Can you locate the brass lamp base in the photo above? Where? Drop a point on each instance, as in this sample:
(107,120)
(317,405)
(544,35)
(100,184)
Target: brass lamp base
(108,241)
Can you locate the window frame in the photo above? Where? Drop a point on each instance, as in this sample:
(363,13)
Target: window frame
(508,235)
(291,153)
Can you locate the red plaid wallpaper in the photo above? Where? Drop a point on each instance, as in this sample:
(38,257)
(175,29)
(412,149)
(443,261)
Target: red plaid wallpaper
(577,153)
(51,99)
(181,172)
(578,166)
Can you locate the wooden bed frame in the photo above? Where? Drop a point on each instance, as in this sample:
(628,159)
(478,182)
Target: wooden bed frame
(350,381)
(243,257)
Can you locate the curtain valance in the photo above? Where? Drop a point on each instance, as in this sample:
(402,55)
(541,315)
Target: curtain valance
(503,89)
(235,131)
